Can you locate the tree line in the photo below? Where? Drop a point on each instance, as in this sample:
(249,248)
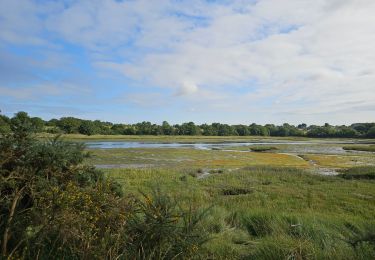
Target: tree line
(72,125)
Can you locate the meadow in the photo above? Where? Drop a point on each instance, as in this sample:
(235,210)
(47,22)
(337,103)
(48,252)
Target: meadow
(288,202)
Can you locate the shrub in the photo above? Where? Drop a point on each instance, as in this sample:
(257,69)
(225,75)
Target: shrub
(161,229)
(52,206)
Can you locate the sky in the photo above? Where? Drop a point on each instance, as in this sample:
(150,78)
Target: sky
(237,62)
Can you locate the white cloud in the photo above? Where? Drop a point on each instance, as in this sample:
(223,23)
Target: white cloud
(289,56)
(42,91)
(187,88)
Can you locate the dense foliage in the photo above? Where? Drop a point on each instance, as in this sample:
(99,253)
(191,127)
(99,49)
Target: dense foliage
(71,125)
(52,206)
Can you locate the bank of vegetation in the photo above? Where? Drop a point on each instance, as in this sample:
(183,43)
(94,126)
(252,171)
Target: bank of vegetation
(364,148)
(71,125)
(54,206)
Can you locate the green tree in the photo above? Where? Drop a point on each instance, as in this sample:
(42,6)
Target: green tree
(4,124)
(189,129)
(242,130)
(69,125)
(371,132)
(88,127)
(38,123)
(166,128)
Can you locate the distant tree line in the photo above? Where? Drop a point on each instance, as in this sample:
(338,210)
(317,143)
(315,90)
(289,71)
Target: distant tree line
(72,125)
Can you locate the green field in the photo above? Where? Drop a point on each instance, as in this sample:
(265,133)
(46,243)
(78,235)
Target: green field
(268,212)
(262,205)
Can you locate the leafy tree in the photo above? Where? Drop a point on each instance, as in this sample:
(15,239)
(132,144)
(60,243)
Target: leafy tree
(189,129)
(130,130)
(347,132)
(166,128)
(144,128)
(76,125)
(272,129)
(242,130)
(258,130)
(226,130)
(208,130)
(52,122)
(38,123)
(69,125)
(371,132)
(4,124)
(88,127)
(118,129)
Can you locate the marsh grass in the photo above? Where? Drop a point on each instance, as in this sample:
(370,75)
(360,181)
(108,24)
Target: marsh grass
(262,148)
(365,148)
(362,172)
(288,213)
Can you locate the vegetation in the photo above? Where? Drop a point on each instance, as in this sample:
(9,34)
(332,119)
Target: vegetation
(262,148)
(54,207)
(71,125)
(366,148)
(189,158)
(191,204)
(362,172)
(271,212)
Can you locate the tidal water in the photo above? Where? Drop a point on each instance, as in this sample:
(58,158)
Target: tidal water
(328,147)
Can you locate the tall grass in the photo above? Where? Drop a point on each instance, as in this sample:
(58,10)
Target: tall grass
(285,213)
(361,172)
(366,148)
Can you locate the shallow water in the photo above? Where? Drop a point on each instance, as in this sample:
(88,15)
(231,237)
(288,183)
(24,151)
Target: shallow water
(202,146)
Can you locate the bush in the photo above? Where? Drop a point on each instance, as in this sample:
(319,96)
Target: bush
(52,206)
(161,229)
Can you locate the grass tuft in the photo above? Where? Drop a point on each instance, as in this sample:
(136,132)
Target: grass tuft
(365,148)
(262,148)
(361,172)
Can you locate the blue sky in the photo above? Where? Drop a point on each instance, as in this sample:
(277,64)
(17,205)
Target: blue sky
(265,61)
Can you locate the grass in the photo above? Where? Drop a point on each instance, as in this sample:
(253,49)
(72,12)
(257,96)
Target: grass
(365,148)
(270,212)
(340,161)
(262,148)
(363,172)
(262,205)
